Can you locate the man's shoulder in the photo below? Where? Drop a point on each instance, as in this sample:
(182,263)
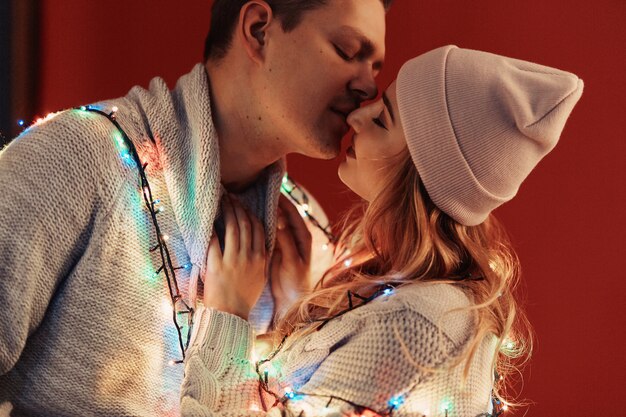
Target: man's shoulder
(69,150)
(69,135)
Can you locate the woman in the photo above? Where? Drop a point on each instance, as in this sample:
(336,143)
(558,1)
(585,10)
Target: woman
(417,316)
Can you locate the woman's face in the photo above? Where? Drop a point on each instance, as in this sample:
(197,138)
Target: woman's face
(378,138)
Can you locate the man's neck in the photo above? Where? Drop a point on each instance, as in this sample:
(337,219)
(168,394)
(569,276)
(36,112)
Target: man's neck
(244,150)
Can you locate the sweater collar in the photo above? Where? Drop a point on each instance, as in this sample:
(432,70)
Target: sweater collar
(181,125)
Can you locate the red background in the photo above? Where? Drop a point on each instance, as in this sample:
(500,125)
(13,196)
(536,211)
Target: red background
(565,223)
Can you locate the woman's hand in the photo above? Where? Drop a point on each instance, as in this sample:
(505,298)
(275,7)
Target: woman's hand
(234,280)
(290,264)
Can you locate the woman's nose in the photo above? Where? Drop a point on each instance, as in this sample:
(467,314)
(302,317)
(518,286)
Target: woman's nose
(355,119)
(358,118)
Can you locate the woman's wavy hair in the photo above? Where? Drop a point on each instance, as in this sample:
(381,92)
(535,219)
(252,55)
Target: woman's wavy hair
(402,238)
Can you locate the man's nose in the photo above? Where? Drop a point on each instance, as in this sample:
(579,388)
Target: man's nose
(364,86)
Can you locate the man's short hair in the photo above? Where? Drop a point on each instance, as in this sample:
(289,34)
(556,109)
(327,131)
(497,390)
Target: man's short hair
(225,13)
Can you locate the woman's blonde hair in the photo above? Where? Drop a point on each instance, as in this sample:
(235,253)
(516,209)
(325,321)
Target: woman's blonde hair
(401,238)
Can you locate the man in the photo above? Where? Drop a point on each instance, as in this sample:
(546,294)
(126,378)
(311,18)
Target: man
(107,211)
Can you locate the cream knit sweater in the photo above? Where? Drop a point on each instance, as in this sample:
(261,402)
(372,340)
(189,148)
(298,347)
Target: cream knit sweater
(372,356)
(85,326)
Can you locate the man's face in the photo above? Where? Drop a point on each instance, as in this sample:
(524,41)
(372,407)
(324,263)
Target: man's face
(315,75)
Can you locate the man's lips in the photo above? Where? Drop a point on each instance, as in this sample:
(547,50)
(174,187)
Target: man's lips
(341,113)
(343,117)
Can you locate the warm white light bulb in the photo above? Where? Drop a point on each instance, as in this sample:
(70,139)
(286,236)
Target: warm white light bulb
(166,308)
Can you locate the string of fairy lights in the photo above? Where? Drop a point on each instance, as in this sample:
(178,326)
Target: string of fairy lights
(291,395)
(300,198)
(130,155)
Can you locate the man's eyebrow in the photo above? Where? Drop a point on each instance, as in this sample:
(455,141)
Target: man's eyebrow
(389,108)
(367,46)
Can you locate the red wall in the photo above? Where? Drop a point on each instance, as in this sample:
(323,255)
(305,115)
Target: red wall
(567,222)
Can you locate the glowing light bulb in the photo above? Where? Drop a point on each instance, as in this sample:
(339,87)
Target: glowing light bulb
(396,402)
(166,308)
(445,406)
(347,263)
(289,393)
(20,122)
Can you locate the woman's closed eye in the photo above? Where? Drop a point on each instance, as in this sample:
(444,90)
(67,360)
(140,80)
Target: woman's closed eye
(378,121)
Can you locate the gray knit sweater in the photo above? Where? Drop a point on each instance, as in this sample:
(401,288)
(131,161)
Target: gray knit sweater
(375,356)
(85,325)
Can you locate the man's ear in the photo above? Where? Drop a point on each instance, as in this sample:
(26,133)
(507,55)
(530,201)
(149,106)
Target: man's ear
(254,20)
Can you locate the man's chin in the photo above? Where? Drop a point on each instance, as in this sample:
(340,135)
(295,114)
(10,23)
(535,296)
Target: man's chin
(324,149)
(330,151)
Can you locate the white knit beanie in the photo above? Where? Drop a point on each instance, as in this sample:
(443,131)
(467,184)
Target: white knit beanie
(476,124)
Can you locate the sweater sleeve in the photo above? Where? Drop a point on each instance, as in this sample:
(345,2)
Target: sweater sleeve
(375,368)
(219,378)
(48,197)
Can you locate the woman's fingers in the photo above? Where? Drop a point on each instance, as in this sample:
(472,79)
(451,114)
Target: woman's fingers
(231,235)
(245,227)
(251,232)
(214,254)
(301,235)
(286,241)
(258,236)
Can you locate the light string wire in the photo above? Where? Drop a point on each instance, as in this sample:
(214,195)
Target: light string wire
(385,289)
(393,404)
(290,189)
(166,267)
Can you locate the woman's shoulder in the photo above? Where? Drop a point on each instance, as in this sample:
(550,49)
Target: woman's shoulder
(444,307)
